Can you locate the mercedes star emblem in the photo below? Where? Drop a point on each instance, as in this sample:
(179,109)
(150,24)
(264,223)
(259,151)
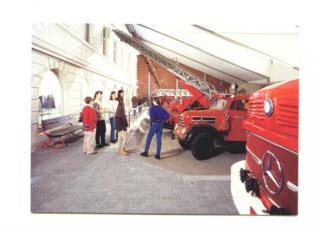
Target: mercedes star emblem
(272,173)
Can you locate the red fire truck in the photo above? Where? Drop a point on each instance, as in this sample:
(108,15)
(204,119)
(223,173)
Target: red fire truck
(180,100)
(268,181)
(221,124)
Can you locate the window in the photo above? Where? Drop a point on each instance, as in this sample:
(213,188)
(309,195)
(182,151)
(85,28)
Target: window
(239,105)
(115,53)
(219,104)
(129,63)
(87,28)
(104,41)
(122,59)
(50,97)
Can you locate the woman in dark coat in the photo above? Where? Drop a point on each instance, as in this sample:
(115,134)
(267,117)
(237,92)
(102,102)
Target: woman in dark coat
(121,124)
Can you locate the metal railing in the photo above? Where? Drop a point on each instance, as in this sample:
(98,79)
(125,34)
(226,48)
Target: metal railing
(136,112)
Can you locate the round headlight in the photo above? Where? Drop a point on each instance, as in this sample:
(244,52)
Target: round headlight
(268,107)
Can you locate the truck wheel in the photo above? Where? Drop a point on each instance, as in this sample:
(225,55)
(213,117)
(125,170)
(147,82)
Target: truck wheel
(183,144)
(203,146)
(236,147)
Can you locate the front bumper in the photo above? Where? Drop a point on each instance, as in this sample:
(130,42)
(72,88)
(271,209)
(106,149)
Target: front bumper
(244,201)
(180,132)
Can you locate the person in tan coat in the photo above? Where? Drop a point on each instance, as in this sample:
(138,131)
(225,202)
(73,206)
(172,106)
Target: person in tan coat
(121,124)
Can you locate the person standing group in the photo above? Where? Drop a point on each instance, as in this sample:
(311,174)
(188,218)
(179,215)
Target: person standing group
(157,117)
(121,124)
(89,119)
(101,125)
(94,125)
(93,119)
(113,104)
(137,102)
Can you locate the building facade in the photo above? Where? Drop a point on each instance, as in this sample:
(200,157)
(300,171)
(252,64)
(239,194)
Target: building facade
(72,61)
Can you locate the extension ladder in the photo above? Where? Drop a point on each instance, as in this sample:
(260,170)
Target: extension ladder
(203,86)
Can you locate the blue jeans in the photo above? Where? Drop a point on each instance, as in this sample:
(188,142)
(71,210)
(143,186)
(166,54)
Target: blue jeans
(155,128)
(113,133)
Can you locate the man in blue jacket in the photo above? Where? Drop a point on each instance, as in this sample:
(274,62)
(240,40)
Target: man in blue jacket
(157,115)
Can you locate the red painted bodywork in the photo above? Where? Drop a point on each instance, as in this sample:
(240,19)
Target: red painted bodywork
(204,101)
(228,121)
(176,106)
(277,134)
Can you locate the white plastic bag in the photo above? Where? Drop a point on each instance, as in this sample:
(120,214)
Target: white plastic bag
(138,130)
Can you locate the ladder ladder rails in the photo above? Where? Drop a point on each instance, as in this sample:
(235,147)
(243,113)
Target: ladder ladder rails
(150,66)
(151,69)
(203,86)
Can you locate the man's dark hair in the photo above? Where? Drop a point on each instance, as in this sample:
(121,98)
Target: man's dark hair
(157,100)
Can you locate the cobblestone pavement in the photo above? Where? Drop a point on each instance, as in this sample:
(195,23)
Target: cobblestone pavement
(67,181)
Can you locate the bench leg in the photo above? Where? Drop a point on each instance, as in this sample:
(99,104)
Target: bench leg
(56,145)
(60,144)
(47,144)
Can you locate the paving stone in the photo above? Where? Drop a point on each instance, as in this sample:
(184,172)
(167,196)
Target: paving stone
(68,181)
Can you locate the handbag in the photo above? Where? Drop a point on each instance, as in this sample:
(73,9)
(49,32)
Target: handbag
(80,120)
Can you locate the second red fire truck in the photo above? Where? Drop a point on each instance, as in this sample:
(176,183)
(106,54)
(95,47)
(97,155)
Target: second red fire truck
(221,124)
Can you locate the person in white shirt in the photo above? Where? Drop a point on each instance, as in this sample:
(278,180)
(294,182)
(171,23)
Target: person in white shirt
(113,104)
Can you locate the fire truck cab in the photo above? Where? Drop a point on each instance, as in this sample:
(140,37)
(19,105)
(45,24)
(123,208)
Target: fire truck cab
(177,101)
(268,181)
(201,130)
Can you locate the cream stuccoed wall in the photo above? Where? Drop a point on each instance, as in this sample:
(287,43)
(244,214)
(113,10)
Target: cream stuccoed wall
(80,67)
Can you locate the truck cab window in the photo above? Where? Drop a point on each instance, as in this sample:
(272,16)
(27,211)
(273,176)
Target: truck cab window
(239,105)
(219,104)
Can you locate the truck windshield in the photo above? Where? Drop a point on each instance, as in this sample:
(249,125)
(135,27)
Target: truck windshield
(219,104)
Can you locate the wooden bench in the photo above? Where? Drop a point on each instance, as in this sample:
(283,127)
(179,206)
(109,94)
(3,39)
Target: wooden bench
(58,128)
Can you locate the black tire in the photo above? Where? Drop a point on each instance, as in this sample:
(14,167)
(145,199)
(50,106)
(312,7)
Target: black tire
(236,147)
(203,146)
(184,145)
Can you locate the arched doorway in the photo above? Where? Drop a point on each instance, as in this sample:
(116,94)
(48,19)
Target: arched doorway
(50,96)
